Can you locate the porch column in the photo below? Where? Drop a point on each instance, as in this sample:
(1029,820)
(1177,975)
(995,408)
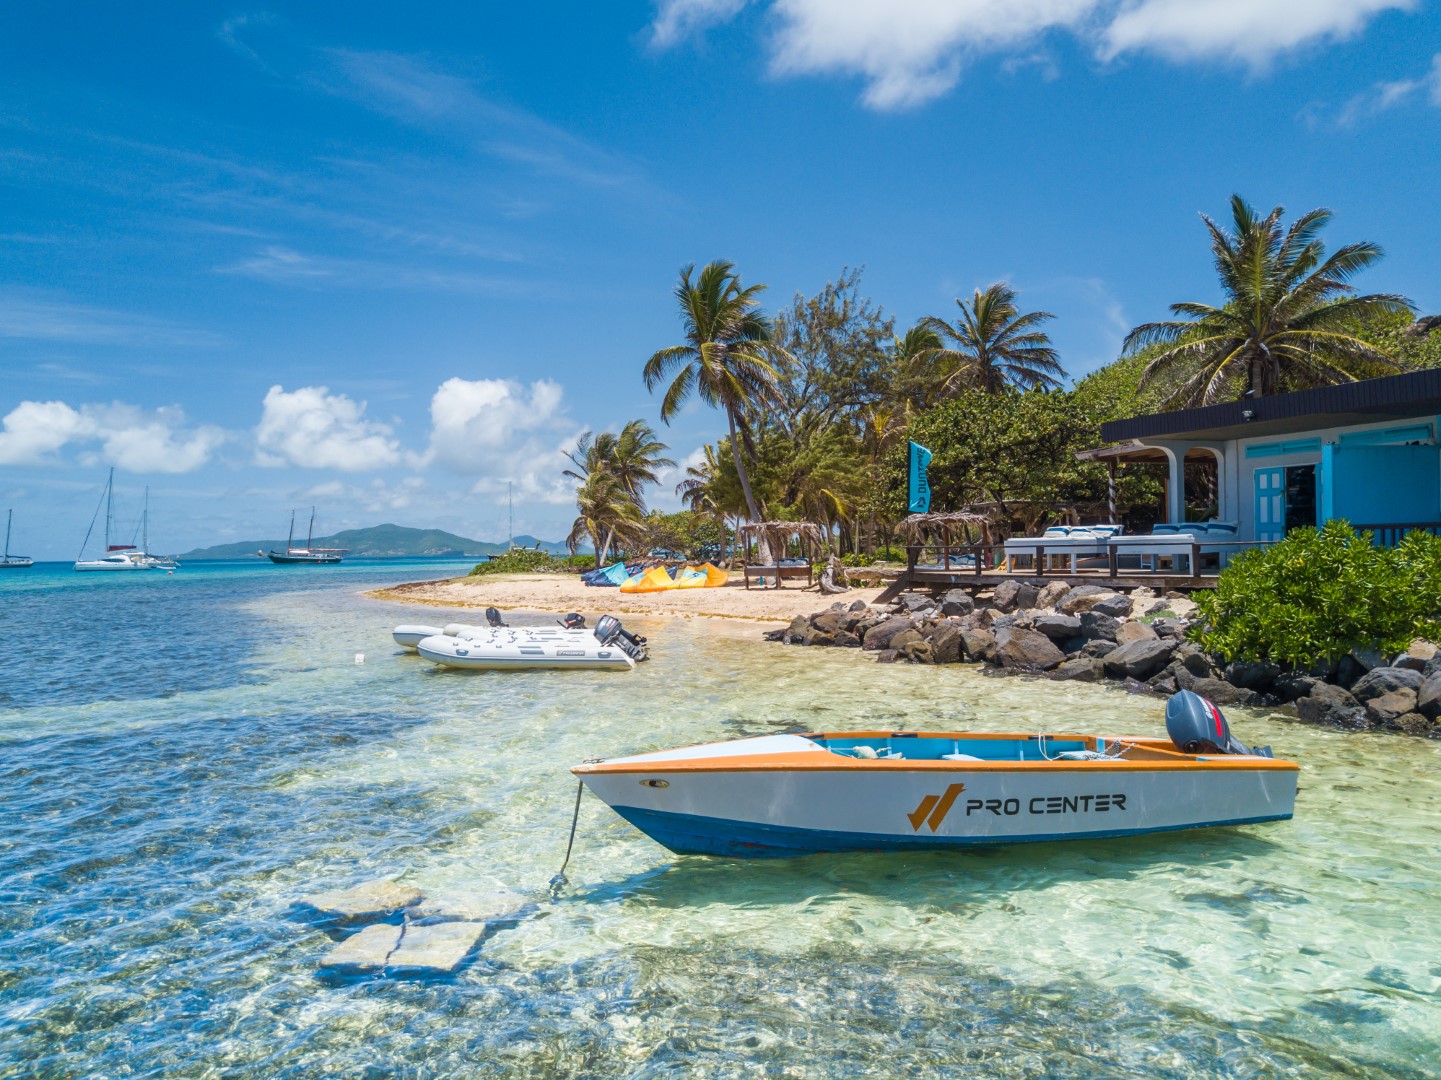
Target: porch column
(1175,484)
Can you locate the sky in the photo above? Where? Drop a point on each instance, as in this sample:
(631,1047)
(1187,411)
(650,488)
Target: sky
(390,261)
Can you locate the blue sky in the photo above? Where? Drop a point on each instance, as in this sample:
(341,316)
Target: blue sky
(385,261)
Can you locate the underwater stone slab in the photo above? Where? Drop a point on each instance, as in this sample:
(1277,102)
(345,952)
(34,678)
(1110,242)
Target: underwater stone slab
(368,900)
(365,951)
(469,907)
(436,946)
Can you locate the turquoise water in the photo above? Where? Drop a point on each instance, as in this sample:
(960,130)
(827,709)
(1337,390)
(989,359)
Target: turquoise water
(183,756)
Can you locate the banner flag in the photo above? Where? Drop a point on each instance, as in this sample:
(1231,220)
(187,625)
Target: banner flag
(920,502)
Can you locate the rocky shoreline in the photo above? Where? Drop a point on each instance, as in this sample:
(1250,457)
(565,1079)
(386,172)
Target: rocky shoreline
(1089,634)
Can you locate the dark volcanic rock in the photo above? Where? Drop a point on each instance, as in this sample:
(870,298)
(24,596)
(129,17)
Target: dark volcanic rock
(1175,629)
(1386,680)
(1139,660)
(1058,627)
(828,622)
(1027,650)
(1118,606)
(905,639)
(879,636)
(1134,631)
(1082,598)
(946,643)
(847,640)
(918,652)
(979,645)
(1384,709)
(887,656)
(797,630)
(1081,669)
(1327,704)
(1052,594)
(1014,595)
(1428,698)
(817,637)
(1251,675)
(1291,685)
(859,606)
(1220,692)
(958,602)
(1163,683)
(1098,625)
(1099,648)
(914,602)
(1412,724)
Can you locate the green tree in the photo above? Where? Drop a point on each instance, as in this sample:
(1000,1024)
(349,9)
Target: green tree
(633,457)
(606,512)
(727,358)
(1288,318)
(996,347)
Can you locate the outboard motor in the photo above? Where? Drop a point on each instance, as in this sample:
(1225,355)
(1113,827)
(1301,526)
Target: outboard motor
(1196,726)
(493,617)
(573,621)
(608,631)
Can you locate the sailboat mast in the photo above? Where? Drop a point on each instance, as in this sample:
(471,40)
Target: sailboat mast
(290,540)
(109,505)
(8,518)
(310,533)
(510,498)
(145,522)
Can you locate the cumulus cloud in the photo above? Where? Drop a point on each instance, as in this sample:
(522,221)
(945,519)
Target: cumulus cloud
(313,428)
(127,436)
(1385,96)
(909,54)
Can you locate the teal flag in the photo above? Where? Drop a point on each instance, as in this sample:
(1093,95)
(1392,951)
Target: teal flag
(920,485)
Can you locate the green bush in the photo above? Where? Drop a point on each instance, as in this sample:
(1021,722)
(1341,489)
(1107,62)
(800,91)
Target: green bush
(885,554)
(576,562)
(516,561)
(1318,594)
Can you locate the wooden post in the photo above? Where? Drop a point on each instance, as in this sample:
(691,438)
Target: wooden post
(1195,559)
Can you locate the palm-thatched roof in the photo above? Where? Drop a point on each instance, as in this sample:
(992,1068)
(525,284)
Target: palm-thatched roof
(918,526)
(777,534)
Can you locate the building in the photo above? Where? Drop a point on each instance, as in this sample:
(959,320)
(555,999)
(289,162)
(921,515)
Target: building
(1365,451)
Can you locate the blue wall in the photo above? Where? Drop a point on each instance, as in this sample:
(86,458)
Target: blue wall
(1376,485)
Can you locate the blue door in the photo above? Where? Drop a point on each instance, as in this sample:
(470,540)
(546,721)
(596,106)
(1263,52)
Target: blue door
(1270,504)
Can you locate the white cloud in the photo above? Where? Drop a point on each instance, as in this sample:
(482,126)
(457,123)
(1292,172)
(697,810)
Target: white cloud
(1389,95)
(313,428)
(911,53)
(128,437)
(278,265)
(30,316)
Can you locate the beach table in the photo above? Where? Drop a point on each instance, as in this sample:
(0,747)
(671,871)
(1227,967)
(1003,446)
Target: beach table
(779,573)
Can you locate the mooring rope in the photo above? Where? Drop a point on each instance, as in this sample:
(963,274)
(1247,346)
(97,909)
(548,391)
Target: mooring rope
(560,880)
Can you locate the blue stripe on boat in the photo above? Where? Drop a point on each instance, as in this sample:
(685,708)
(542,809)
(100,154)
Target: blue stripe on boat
(689,834)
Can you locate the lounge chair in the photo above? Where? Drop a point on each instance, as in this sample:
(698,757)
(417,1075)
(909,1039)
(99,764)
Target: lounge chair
(1068,542)
(1175,542)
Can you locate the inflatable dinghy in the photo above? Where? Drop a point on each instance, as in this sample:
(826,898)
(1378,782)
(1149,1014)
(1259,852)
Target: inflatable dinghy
(504,648)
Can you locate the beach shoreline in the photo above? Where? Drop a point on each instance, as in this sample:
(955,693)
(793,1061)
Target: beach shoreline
(561,593)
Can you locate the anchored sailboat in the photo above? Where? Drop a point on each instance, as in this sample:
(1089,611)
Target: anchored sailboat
(13,562)
(314,556)
(117,556)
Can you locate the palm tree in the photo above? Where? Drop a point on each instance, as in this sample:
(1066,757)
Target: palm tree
(1287,320)
(726,357)
(606,512)
(997,348)
(705,491)
(911,365)
(633,457)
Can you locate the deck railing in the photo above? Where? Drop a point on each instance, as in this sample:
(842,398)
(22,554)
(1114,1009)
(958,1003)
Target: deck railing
(1388,536)
(979,558)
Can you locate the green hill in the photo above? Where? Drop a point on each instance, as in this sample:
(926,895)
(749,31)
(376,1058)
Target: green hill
(378,542)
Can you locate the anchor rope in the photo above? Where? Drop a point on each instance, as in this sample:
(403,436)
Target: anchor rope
(560,880)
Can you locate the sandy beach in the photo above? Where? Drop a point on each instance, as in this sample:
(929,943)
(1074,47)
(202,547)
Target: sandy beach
(566,592)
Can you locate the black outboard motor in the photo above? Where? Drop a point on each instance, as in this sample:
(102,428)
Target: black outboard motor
(573,621)
(608,631)
(1196,726)
(493,617)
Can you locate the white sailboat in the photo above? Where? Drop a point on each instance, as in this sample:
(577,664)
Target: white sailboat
(117,557)
(13,562)
(155,562)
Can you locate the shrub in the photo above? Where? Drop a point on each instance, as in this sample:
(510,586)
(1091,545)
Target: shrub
(576,562)
(1318,594)
(516,561)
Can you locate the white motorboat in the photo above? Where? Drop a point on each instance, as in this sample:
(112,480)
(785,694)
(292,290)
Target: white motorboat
(784,795)
(507,648)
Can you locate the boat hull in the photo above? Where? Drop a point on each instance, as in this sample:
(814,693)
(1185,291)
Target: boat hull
(288,559)
(821,803)
(510,651)
(111,566)
(16,562)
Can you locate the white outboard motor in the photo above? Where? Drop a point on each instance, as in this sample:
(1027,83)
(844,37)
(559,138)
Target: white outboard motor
(608,631)
(1196,726)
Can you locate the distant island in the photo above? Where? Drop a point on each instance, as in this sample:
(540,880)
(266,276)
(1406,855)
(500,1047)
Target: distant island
(380,542)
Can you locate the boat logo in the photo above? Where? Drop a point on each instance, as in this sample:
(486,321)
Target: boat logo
(934,808)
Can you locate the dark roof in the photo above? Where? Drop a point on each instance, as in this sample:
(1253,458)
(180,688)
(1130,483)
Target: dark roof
(1417,393)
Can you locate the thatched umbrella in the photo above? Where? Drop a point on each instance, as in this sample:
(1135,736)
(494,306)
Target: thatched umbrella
(919,527)
(777,535)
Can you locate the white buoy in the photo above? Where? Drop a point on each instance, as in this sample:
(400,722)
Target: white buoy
(360,658)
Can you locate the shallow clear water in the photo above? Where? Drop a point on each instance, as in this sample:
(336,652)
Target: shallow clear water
(183,756)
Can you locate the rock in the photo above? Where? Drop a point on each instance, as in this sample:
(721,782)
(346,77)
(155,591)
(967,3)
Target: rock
(879,636)
(1196,662)
(1099,648)
(1117,606)
(1174,629)
(1082,598)
(1412,724)
(1163,683)
(1080,669)
(1128,632)
(1139,660)
(859,605)
(1052,594)
(366,951)
(958,602)
(1027,650)
(1384,709)
(887,656)
(816,637)
(1058,627)
(365,902)
(1385,680)
(847,640)
(1367,659)
(1292,685)
(906,637)
(1251,675)
(1422,649)
(1145,592)
(1327,704)
(1072,646)
(1215,690)
(1098,625)
(776,635)
(470,907)
(915,602)
(1409,662)
(828,622)
(436,947)
(1348,671)
(918,652)
(797,630)
(1428,698)
(1013,595)
(946,643)
(979,645)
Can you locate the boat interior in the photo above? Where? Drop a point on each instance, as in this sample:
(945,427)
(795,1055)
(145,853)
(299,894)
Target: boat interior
(970,746)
